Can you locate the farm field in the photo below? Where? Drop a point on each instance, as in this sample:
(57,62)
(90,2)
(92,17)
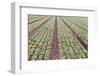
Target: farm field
(57,37)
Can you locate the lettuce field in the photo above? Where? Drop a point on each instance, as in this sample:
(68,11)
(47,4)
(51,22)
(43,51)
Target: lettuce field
(57,37)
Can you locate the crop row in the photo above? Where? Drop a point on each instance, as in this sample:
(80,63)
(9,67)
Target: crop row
(69,45)
(40,45)
(83,34)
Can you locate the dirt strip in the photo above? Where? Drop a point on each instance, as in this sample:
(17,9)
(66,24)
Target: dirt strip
(54,47)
